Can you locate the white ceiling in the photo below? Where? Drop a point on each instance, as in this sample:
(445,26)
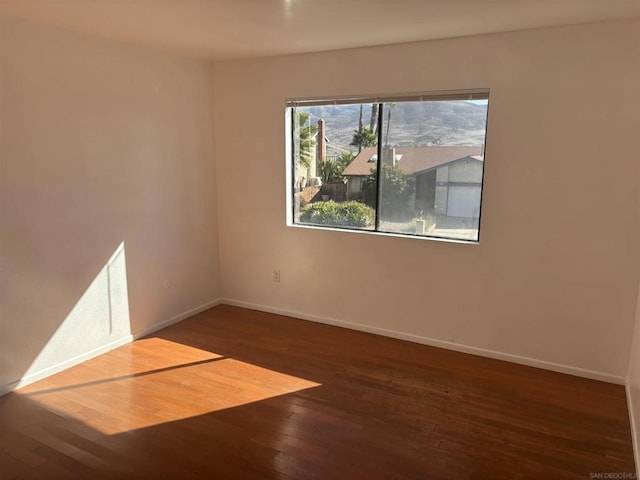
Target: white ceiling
(227,29)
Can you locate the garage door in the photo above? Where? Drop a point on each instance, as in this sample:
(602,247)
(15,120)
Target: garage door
(464,201)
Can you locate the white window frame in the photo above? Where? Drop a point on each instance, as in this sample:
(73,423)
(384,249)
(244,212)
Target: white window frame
(451,95)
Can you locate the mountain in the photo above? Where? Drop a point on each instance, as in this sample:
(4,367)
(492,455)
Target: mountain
(455,123)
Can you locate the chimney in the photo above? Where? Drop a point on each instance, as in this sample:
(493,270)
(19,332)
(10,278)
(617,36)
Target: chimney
(321,144)
(389,156)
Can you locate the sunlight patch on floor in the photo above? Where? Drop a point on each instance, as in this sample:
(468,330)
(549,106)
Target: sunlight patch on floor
(154,381)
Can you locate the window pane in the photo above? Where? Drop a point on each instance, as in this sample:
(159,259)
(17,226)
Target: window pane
(328,190)
(431,163)
(432,167)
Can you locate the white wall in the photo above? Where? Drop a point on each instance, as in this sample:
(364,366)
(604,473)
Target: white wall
(633,385)
(104,145)
(633,379)
(554,279)
(104,148)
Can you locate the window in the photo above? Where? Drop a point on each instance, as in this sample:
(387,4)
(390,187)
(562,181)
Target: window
(409,165)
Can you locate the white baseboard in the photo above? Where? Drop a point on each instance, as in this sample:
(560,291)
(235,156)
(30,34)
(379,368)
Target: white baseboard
(595,375)
(531,362)
(83,357)
(8,388)
(632,422)
(58,367)
(176,319)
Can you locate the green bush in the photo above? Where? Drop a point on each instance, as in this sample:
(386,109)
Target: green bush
(343,214)
(331,169)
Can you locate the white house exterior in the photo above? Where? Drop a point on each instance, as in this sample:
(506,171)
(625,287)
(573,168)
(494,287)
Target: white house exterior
(448,179)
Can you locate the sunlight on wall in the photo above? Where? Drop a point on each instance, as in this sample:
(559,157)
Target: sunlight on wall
(98,322)
(154,381)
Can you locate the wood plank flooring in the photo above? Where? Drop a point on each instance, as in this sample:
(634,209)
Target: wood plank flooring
(239,394)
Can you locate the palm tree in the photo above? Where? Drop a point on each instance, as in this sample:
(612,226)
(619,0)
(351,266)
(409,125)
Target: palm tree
(331,169)
(364,138)
(373,123)
(345,158)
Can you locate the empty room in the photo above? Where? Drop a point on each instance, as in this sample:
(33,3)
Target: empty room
(319,239)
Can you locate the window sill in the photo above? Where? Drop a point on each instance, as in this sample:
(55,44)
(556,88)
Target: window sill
(384,234)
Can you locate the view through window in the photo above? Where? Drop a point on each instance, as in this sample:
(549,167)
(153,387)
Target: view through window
(410,165)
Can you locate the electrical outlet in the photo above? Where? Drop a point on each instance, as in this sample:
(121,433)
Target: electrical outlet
(276,275)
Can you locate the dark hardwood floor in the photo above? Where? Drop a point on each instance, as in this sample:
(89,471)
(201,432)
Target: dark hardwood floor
(239,394)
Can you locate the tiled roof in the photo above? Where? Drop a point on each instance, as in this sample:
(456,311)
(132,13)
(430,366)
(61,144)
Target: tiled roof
(413,159)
